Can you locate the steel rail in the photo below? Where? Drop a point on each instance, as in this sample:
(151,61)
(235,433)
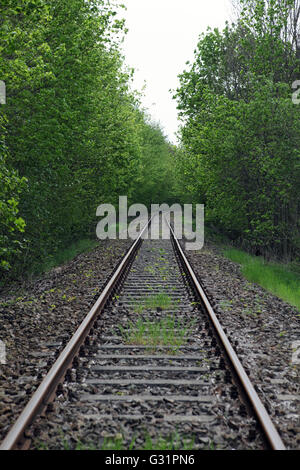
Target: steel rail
(263,417)
(47,388)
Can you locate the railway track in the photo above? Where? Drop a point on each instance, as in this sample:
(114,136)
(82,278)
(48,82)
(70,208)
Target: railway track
(150,359)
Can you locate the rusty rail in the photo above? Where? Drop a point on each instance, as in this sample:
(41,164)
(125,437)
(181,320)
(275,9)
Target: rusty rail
(260,412)
(15,439)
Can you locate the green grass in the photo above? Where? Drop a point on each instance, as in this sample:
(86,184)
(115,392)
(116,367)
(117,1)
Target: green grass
(166,332)
(171,442)
(64,256)
(160,300)
(274,277)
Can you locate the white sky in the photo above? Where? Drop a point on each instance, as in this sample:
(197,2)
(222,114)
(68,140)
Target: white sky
(161,39)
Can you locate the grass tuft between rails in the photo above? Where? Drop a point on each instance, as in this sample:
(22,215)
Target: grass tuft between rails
(274,277)
(165,332)
(173,441)
(160,300)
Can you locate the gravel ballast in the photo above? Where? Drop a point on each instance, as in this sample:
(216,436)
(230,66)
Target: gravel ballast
(266,332)
(37,319)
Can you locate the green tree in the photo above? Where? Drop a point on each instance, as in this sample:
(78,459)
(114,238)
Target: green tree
(72,128)
(155,180)
(10,222)
(240,136)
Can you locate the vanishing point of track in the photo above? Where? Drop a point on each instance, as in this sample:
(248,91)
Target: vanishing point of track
(169,385)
